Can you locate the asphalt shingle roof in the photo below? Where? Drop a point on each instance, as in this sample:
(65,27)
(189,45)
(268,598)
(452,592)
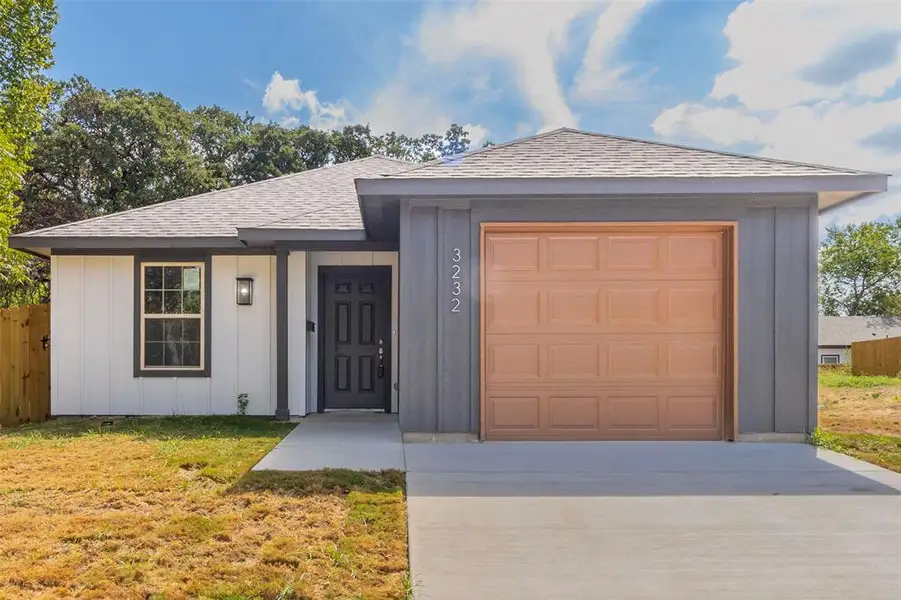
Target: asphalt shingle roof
(326,198)
(323,198)
(841,331)
(573,153)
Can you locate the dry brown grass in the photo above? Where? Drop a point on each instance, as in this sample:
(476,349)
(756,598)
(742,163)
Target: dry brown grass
(162,508)
(861,410)
(860,416)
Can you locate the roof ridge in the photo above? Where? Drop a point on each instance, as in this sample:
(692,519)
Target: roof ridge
(209,193)
(444,159)
(720,152)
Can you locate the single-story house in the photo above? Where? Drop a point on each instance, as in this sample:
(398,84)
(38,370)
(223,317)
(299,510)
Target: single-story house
(837,333)
(565,286)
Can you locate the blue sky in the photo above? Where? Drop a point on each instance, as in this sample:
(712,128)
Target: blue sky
(810,81)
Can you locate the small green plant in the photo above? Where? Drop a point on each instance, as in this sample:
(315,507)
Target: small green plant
(825,439)
(243,401)
(409,585)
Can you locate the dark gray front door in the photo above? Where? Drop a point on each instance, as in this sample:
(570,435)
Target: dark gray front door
(355,337)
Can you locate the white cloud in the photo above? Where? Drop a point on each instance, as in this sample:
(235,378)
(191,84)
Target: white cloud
(809,84)
(529,38)
(455,52)
(600,77)
(285,95)
(477,135)
(779,46)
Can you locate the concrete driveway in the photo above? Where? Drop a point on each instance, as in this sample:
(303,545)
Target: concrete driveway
(651,520)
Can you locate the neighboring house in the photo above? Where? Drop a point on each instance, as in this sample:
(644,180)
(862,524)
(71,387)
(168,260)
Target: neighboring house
(837,333)
(565,286)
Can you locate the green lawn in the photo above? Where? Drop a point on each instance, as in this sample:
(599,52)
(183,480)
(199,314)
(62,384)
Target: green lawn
(165,508)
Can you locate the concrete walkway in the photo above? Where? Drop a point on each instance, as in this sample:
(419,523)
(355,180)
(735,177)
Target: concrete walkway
(345,440)
(635,521)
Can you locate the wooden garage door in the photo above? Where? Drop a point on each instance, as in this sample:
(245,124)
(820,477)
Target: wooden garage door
(603,332)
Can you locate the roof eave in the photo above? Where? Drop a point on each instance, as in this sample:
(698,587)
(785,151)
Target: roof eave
(266,236)
(586,186)
(35,243)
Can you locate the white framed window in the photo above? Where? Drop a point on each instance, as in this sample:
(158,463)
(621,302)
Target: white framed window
(830,359)
(172,316)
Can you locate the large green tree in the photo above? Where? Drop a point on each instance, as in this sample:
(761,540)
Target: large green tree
(26,51)
(101,152)
(860,269)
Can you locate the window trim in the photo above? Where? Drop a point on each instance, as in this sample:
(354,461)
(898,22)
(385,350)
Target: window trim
(169,259)
(838,359)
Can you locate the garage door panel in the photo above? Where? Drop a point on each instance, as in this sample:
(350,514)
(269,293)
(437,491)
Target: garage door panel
(633,253)
(697,411)
(604,335)
(700,254)
(514,361)
(510,309)
(573,307)
(513,413)
(599,257)
(593,413)
(638,306)
(574,361)
(573,413)
(573,253)
(694,308)
(633,411)
(513,253)
(614,359)
(604,307)
(694,359)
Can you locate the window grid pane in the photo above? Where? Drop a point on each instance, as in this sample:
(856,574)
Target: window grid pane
(173,320)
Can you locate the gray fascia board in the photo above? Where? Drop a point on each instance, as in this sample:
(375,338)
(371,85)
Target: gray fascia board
(22,242)
(572,186)
(267,236)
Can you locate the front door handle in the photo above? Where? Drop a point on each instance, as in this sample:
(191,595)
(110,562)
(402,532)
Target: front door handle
(381,370)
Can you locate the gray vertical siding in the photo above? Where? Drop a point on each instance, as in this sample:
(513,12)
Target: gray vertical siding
(792,322)
(418,368)
(756,323)
(439,350)
(454,329)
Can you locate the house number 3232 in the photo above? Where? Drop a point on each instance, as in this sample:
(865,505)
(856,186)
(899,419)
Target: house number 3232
(456,286)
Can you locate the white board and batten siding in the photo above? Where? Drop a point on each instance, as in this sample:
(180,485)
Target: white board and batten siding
(92,337)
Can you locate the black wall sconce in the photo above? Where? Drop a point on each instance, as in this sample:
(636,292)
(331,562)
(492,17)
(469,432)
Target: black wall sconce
(244,287)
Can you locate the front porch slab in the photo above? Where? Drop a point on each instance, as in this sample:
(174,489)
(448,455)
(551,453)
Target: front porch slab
(362,441)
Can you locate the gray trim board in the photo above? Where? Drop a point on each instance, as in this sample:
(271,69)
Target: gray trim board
(270,236)
(588,186)
(813,329)
(206,259)
(320,246)
(282,410)
(127,243)
(162,252)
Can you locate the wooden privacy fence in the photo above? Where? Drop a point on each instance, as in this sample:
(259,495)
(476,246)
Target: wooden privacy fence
(876,357)
(24,364)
